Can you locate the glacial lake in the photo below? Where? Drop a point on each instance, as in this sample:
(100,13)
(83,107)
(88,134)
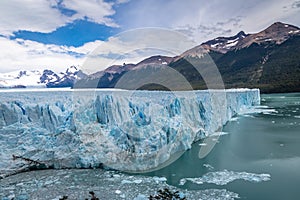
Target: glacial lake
(257,157)
(267,142)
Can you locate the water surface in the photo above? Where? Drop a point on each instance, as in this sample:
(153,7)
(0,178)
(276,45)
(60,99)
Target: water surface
(260,143)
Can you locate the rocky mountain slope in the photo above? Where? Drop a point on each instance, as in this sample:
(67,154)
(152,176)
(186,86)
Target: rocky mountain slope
(269,60)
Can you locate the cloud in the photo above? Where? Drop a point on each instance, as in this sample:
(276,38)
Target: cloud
(128,47)
(205,20)
(122,1)
(22,54)
(47,15)
(296,4)
(206,31)
(198,19)
(135,45)
(265,13)
(92,10)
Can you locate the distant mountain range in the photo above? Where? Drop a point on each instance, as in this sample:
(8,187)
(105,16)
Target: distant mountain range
(44,78)
(269,60)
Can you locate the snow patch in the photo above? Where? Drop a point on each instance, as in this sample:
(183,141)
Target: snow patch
(231,44)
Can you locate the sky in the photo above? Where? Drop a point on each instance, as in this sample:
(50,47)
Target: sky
(56,34)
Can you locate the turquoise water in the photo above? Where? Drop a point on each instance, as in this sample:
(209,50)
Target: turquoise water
(260,143)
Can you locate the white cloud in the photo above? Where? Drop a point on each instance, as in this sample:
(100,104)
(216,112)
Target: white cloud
(122,1)
(199,19)
(94,10)
(25,54)
(267,12)
(205,20)
(43,15)
(135,45)
(129,47)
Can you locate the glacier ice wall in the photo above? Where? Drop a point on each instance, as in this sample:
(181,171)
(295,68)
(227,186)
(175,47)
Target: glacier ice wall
(126,130)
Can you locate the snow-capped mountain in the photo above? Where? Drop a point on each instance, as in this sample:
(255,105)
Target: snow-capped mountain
(21,79)
(268,60)
(156,60)
(40,78)
(277,33)
(224,44)
(68,78)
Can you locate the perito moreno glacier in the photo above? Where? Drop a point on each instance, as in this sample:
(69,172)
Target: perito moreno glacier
(132,131)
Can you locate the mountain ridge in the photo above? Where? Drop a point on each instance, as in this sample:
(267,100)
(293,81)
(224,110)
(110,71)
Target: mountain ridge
(268,60)
(41,78)
(244,60)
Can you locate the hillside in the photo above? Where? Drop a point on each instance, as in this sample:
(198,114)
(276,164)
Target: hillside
(269,60)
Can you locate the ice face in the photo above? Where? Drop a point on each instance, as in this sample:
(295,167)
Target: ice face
(127,130)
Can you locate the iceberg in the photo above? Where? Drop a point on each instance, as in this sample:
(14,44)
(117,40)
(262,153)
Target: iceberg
(133,131)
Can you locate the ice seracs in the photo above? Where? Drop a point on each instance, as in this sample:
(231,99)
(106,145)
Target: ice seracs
(125,130)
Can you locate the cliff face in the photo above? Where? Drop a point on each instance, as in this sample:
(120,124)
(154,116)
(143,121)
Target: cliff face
(127,131)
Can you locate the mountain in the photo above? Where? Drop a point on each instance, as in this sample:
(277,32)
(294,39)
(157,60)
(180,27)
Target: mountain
(220,44)
(269,60)
(18,78)
(37,78)
(110,76)
(277,33)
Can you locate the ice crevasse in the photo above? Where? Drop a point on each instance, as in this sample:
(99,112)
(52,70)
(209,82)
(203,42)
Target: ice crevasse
(125,130)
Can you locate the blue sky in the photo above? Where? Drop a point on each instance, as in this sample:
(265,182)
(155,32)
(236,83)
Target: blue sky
(55,34)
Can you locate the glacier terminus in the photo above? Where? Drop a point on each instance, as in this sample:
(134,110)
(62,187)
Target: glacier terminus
(134,131)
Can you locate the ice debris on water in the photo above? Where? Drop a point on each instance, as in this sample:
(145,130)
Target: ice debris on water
(208,166)
(217,134)
(76,184)
(224,177)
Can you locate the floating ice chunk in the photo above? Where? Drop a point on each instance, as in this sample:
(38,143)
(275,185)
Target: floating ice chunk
(217,134)
(159,179)
(138,181)
(126,182)
(234,119)
(208,166)
(224,177)
(141,197)
(258,109)
(118,191)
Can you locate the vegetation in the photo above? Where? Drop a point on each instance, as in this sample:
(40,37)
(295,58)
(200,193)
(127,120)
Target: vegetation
(271,67)
(166,194)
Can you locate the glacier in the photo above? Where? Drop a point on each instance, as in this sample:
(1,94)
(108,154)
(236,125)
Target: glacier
(134,131)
